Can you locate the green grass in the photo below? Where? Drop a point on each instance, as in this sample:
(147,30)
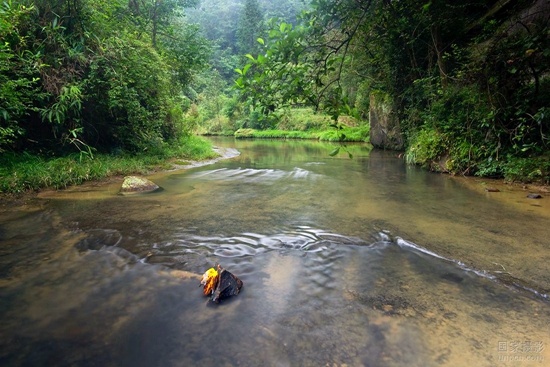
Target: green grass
(27,172)
(344,134)
(275,134)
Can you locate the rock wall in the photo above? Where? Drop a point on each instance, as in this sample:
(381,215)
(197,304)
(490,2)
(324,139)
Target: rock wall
(385,130)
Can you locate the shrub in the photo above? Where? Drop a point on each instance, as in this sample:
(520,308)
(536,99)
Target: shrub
(426,147)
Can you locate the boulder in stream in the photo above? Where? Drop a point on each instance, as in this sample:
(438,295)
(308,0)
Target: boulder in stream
(135,184)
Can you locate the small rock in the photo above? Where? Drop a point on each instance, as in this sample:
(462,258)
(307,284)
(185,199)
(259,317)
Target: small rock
(534,196)
(452,277)
(134,184)
(387,308)
(491,189)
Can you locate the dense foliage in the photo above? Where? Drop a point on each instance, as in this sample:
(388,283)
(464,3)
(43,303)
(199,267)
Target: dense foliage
(469,82)
(234,27)
(85,75)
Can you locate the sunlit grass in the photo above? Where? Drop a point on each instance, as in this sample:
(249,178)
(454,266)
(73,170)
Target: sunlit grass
(344,134)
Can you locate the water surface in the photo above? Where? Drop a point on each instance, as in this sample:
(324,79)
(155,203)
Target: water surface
(362,262)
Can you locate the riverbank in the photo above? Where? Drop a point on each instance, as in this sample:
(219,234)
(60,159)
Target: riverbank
(528,198)
(512,193)
(25,173)
(215,154)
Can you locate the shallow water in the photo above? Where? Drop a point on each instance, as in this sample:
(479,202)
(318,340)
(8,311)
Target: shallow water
(362,262)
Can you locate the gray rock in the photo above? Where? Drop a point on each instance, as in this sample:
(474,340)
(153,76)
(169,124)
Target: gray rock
(534,196)
(385,129)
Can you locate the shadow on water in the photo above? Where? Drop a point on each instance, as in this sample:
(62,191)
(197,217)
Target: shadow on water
(343,262)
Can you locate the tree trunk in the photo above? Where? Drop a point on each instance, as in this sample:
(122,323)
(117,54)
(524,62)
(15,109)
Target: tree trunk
(436,37)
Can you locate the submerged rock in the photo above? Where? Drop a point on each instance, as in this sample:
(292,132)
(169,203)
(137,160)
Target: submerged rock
(534,196)
(135,184)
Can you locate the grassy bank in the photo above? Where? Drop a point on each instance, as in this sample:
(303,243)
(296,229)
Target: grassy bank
(27,172)
(344,134)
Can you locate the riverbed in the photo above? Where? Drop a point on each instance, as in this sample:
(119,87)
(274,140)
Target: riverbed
(357,262)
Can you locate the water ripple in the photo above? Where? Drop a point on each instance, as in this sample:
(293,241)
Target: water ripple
(304,239)
(250,175)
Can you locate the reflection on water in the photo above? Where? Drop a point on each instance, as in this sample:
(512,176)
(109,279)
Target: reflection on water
(359,263)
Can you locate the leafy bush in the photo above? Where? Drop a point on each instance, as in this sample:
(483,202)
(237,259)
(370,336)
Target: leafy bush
(86,75)
(301,119)
(346,133)
(426,148)
(18,73)
(130,98)
(527,169)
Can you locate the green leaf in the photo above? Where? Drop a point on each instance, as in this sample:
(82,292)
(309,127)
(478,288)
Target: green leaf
(261,41)
(250,57)
(239,71)
(334,152)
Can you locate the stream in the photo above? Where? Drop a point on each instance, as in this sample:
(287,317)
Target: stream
(345,262)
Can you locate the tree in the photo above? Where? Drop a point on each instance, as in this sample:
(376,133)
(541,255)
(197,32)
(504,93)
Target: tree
(251,26)
(466,76)
(83,75)
(18,73)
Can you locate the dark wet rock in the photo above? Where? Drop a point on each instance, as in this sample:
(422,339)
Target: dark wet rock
(492,189)
(477,344)
(220,284)
(228,285)
(534,196)
(484,317)
(452,277)
(135,184)
(96,239)
(443,356)
(389,304)
(450,315)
